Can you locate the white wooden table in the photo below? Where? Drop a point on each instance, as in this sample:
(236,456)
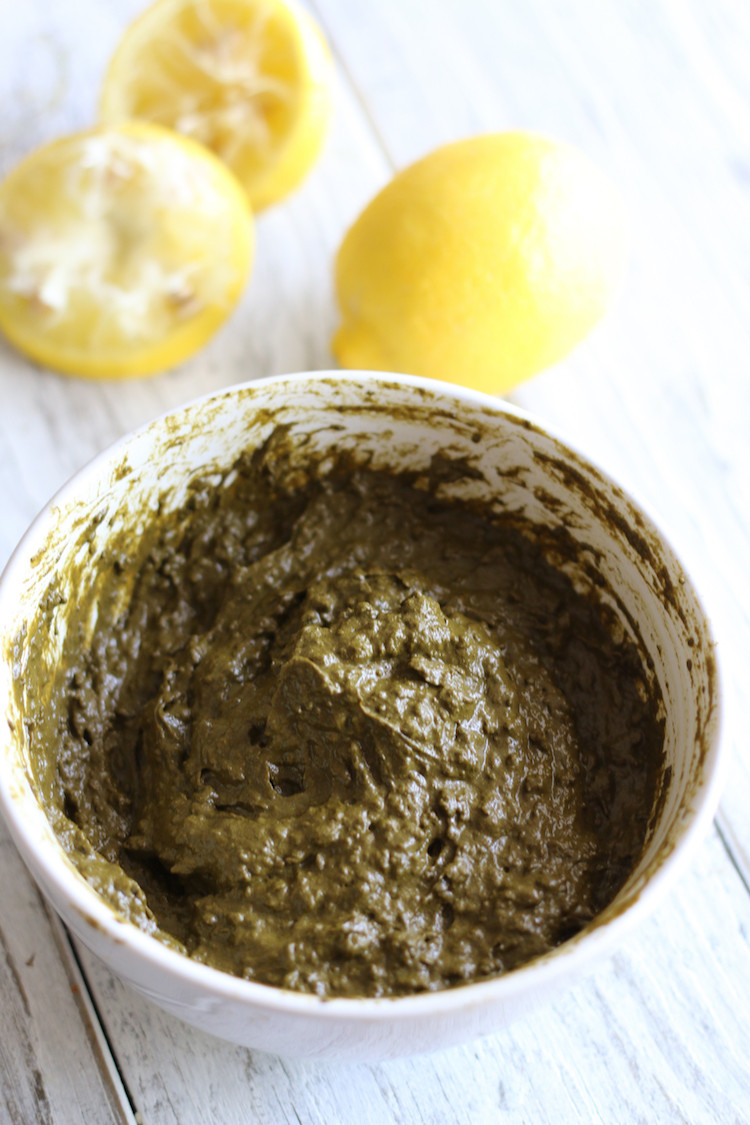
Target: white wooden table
(658,92)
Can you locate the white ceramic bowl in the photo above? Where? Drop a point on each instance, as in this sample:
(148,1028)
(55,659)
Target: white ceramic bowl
(400,422)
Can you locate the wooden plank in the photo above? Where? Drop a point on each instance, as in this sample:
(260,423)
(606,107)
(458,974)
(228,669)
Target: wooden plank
(649,1037)
(54,1065)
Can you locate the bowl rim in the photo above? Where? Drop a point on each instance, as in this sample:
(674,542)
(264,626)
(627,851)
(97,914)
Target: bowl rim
(589,946)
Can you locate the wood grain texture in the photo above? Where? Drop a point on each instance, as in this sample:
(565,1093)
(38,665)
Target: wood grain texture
(53,1064)
(658,93)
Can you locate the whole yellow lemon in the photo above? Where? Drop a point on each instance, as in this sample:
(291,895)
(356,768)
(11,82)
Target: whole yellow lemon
(482,263)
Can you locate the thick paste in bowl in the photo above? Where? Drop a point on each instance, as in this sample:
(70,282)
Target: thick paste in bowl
(356,740)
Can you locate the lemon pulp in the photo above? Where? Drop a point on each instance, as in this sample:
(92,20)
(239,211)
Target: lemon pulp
(247,78)
(122,250)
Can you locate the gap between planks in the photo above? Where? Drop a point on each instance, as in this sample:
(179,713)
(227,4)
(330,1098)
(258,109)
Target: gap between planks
(733,848)
(102,1047)
(358,96)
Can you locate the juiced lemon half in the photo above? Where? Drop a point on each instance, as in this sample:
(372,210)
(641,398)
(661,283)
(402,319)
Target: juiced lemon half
(122,250)
(250,79)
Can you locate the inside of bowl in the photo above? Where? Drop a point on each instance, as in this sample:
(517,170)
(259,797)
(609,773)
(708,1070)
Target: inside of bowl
(78,567)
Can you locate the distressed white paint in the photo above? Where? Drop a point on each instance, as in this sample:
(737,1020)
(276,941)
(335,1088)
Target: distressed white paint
(658,92)
(54,1067)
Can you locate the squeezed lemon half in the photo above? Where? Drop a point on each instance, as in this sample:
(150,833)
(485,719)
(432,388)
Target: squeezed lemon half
(250,79)
(484,262)
(122,250)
